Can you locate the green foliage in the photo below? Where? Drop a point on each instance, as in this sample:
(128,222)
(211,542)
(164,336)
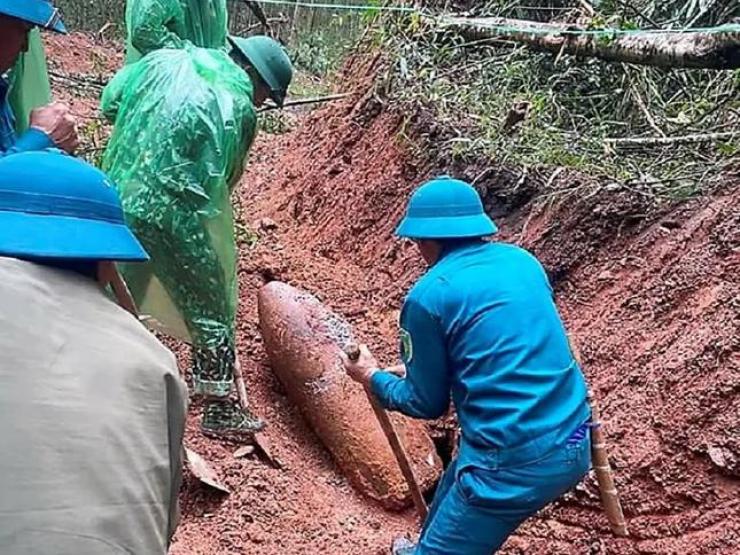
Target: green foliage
(93,134)
(319,48)
(93,15)
(274,122)
(246,237)
(469,89)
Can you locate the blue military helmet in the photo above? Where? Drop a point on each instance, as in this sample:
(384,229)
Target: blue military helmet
(56,206)
(445,208)
(37,12)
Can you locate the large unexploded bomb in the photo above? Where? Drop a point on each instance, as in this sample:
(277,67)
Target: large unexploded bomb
(303,340)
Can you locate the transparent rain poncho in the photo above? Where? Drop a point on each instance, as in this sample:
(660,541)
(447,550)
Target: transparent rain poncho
(183,123)
(29,82)
(155,24)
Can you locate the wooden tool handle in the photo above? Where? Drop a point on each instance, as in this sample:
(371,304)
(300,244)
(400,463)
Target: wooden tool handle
(121,291)
(352,350)
(600,463)
(605,475)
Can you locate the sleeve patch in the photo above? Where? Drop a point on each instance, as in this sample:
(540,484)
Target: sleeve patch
(407,347)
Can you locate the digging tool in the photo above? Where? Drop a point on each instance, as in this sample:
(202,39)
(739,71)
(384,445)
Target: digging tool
(352,351)
(604,474)
(602,467)
(200,468)
(122,293)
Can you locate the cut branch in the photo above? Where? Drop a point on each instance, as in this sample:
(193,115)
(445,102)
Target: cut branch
(718,49)
(305,101)
(259,13)
(636,142)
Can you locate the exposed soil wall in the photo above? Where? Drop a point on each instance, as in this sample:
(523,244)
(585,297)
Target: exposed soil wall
(652,296)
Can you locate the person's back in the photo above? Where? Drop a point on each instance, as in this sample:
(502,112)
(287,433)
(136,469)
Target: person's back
(155,24)
(514,376)
(85,393)
(184,120)
(92,409)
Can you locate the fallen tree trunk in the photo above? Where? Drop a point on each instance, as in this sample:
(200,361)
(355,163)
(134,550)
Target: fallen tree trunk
(718,48)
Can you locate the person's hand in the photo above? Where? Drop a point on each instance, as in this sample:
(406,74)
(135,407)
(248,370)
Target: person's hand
(58,123)
(363,368)
(398,370)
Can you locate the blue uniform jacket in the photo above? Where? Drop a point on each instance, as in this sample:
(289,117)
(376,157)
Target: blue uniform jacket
(33,139)
(482,325)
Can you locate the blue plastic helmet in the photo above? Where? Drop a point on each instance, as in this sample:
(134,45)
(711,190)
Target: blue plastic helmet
(56,206)
(445,208)
(37,12)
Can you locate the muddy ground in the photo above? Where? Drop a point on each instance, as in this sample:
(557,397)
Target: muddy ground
(651,293)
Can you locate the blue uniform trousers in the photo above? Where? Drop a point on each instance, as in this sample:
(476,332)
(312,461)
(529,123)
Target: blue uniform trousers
(484,495)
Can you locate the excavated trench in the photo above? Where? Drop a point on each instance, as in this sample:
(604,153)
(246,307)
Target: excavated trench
(651,295)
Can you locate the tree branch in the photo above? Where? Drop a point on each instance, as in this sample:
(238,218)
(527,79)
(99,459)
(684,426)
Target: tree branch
(664,141)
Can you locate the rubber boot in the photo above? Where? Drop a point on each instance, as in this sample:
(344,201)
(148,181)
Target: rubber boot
(403,546)
(225,419)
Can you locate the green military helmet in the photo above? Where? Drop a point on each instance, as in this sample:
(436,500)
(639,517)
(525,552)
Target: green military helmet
(271,62)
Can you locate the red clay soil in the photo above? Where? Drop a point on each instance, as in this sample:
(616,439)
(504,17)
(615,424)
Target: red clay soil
(79,65)
(652,296)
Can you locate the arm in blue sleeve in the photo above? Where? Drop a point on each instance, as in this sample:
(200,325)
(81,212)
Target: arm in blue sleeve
(425,391)
(31,140)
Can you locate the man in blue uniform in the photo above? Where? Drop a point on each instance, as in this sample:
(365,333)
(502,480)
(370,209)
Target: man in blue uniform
(50,126)
(481,327)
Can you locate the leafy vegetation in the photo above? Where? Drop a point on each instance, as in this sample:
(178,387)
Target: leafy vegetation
(572,107)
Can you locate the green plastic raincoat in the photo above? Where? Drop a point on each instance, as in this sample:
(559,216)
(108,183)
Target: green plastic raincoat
(184,121)
(155,24)
(29,82)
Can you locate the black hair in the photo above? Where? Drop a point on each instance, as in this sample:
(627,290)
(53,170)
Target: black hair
(452,244)
(85,267)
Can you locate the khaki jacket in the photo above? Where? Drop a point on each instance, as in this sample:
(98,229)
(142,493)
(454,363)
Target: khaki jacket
(92,414)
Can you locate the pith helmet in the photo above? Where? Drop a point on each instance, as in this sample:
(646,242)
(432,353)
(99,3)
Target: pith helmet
(56,206)
(445,208)
(271,62)
(37,12)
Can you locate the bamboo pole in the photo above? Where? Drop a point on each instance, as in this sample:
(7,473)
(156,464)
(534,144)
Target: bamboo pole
(121,290)
(305,101)
(604,474)
(600,463)
(677,140)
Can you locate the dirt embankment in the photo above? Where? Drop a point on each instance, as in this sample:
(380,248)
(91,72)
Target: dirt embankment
(651,295)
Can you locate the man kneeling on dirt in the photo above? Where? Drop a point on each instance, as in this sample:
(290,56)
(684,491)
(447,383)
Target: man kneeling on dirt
(50,126)
(184,122)
(92,409)
(481,326)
